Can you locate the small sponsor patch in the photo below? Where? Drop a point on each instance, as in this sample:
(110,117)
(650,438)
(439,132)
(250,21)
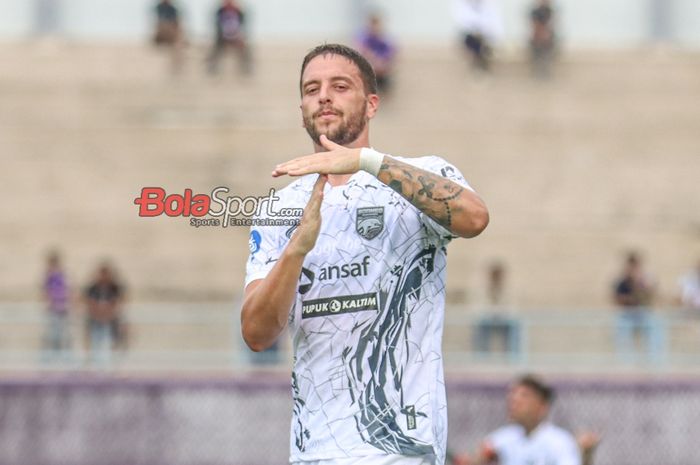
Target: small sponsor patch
(410,411)
(339,305)
(254,241)
(306,280)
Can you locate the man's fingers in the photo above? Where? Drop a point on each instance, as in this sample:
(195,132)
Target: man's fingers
(338,160)
(306,234)
(328,144)
(296,167)
(317,193)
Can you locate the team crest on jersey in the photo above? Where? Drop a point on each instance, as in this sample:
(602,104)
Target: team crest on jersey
(369,222)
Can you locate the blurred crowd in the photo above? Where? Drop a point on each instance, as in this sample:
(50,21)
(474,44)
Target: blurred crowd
(479,21)
(639,333)
(99,305)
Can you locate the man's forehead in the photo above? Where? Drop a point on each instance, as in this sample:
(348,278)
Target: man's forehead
(330,65)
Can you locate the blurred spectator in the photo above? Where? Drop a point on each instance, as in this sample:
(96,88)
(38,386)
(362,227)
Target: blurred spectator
(633,294)
(230,35)
(57,296)
(530,438)
(379,50)
(47,17)
(105,327)
(497,321)
(480,23)
(542,39)
(168,31)
(690,291)
(661,19)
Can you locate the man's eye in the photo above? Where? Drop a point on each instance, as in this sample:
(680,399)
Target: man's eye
(311,90)
(341,87)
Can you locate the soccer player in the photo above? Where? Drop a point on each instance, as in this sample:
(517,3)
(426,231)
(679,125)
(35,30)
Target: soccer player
(530,438)
(361,280)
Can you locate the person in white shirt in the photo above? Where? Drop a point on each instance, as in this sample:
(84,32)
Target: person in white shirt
(360,281)
(690,290)
(480,23)
(530,439)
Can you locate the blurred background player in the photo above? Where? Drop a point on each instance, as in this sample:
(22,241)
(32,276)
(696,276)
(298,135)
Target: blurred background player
(542,38)
(168,31)
(105,328)
(531,438)
(230,35)
(57,296)
(376,46)
(480,23)
(633,293)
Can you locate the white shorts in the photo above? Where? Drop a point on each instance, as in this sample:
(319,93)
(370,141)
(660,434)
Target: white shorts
(375,460)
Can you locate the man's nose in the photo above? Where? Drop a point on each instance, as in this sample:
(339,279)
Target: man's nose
(324,94)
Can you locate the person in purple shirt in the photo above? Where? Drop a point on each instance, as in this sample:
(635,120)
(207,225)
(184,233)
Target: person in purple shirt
(56,295)
(379,50)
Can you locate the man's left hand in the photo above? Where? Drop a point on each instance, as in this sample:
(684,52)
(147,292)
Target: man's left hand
(337,160)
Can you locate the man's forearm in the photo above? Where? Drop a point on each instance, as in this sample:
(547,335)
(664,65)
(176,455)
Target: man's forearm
(456,208)
(266,307)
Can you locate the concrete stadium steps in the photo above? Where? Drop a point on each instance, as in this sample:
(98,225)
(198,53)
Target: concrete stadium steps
(575,171)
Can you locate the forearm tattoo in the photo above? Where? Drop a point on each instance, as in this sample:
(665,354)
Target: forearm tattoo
(430,193)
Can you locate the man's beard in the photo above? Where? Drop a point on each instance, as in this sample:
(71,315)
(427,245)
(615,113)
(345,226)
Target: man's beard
(346,132)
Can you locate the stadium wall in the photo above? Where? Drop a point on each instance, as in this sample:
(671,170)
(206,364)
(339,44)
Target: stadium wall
(593,23)
(103,420)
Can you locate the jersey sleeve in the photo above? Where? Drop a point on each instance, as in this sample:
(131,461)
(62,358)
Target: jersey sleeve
(273,227)
(567,450)
(265,250)
(439,166)
(498,441)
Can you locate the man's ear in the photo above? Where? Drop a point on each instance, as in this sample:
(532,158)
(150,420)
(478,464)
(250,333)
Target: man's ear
(372,105)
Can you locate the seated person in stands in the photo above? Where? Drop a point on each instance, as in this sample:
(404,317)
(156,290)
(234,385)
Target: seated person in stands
(168,30)
(542,38)
(230,35)
(497,322)
(379,50)
(104,324)
(689,297)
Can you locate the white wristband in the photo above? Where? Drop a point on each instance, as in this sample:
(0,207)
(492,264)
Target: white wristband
(371,160)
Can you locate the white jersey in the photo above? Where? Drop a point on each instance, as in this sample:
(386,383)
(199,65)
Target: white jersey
(366,322)
(546,445)
(690,290)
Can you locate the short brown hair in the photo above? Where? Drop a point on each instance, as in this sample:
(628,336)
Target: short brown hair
(369,79)
(545,392)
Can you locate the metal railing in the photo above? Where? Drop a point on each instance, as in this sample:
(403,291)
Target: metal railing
(206,336)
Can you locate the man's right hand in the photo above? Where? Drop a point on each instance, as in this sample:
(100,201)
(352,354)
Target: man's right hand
(304,238)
